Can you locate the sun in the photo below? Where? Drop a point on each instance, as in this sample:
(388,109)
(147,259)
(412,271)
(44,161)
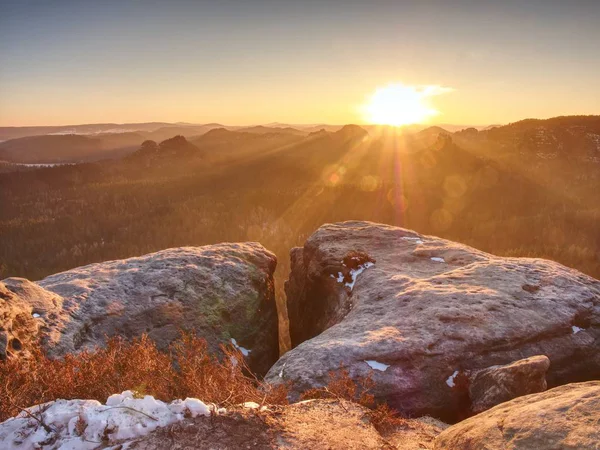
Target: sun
(398,104)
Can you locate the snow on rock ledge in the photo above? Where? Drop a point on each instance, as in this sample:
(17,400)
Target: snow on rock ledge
(430,310)
(87,424)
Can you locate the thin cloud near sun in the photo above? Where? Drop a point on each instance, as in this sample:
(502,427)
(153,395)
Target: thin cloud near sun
(400,104)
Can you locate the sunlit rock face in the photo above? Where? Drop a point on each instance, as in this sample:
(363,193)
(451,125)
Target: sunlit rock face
(222,292)
(428,313)
(561,418)
(21,305)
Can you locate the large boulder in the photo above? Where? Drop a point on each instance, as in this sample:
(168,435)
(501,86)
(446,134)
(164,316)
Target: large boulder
(421,313)
(222,292)
(566,417)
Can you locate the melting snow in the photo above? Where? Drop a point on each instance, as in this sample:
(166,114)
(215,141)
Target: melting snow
(84,424)
(244,351)
(354,273)
(281,371)
(437,259)
(339,278)
(35,315)
(377,365)
(450,380)
(416,240)
(576,329)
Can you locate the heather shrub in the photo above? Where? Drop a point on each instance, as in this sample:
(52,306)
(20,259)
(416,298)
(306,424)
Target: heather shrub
(341,387)
(188,370)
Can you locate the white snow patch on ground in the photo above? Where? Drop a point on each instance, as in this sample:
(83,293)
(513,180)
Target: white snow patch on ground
(377,365)
(576,329)
(340,277)
(244,351)
(438,259)
(416,240)
(85,424)
(450,380)
(35,315)
(354,273)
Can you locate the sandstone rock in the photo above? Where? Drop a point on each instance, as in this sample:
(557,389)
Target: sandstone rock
(427,313)
(22,306)
(497,384)
(566,417)
(221,292)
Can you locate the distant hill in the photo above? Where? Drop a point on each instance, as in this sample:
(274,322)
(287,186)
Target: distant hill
(573,138)
(260,129)
(7,133)
(186,131)
(68,148)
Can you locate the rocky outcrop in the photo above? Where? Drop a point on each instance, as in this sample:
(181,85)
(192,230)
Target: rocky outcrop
(566,417)
(222,292)
(421,313)
(498,384)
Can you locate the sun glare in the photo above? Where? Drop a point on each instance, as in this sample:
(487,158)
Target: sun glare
(399,104)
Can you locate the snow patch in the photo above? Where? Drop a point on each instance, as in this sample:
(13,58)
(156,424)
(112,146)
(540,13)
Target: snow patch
(244,351)
(85,424)
(450,381)
(438,259)
(416,240)
(35,315)
(281,371)
(377,365)
(576,329)
(354,273)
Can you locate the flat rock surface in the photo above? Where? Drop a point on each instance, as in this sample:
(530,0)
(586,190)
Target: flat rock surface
(566,417)
(428,311)
(221,292)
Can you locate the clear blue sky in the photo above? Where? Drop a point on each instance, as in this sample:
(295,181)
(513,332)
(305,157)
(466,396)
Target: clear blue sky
(245,62)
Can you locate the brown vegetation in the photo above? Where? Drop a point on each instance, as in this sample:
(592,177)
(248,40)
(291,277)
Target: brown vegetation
(188,370)
(138,366)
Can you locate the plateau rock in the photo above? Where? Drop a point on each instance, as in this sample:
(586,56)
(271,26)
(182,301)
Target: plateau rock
(420,314)
(221,292)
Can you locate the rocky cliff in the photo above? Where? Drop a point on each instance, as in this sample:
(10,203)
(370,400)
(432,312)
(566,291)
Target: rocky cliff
(424,316)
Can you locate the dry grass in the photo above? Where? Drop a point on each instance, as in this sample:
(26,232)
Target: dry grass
(188,370)
(138,366)
(341,386)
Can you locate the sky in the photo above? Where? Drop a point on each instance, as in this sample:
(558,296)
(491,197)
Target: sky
(249,62)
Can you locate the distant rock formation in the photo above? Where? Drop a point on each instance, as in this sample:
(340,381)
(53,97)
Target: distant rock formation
(422,314)
(351,132)
(222,292)
(175,147)
(561,418)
